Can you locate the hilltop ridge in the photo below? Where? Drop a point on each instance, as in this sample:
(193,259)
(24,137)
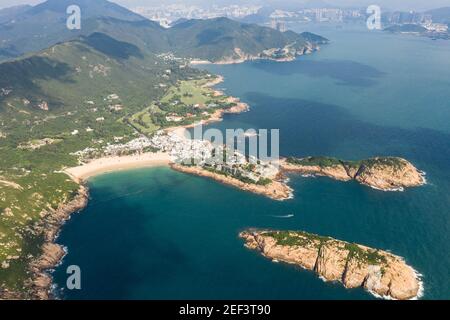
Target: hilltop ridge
(42,26)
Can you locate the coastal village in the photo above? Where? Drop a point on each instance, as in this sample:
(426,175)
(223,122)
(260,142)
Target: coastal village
(160,138)
(152,136)
(192,152)
(178,108)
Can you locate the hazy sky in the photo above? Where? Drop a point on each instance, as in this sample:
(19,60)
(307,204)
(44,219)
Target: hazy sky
(391,4)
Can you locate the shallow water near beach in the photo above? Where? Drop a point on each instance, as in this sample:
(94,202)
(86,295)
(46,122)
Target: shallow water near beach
(159,234)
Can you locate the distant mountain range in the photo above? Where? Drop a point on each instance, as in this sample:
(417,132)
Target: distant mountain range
(116,50)
(35,28)
(8,14)
(440,15)
(30,29)
(219,39)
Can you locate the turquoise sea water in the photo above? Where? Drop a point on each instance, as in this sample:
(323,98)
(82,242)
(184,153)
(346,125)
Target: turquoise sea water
(157,234)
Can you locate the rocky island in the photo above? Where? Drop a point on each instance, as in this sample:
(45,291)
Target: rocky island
(99,102)
(380,272)
(381,173)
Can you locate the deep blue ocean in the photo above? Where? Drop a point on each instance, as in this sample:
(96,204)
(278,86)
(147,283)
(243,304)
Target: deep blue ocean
(159,234)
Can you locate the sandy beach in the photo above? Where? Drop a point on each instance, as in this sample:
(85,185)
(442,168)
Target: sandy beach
(110,164)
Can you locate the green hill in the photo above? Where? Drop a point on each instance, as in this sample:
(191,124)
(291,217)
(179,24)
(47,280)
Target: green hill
(61,100)
(44,25)
(89,68)
(63,91)
(217,39)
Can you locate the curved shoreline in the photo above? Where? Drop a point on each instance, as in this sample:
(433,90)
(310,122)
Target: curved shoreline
(41,281)
(41,284)
(53,253)
(118,163)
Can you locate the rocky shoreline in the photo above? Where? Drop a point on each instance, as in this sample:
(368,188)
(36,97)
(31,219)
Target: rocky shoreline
(286,54)
(276,190)
(39,286)
(382,173)
(379,272)
(52,253)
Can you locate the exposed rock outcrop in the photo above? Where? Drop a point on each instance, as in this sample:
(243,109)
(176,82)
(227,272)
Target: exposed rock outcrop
(379,272)
(39,286)
(276,190)
(383,173)
(287,53)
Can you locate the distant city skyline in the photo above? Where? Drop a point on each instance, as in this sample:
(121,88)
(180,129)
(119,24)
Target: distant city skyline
(419,5)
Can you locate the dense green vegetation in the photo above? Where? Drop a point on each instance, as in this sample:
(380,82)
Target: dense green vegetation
(393,162)
(212,39)
(217,38)
(185,103)
(35,28)
(314,161)
(297,238)
(300,238)
(84,89)
(369,256)
(57,102)
(323,162)
(264,181)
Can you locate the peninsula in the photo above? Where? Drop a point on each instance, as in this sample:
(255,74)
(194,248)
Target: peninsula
(381,173)
(380,272)
(73,105)
(273,189)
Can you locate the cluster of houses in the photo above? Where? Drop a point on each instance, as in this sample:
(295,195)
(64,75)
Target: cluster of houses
(436,27)
(174,117)
(185,151)
(219,158)
(137,145)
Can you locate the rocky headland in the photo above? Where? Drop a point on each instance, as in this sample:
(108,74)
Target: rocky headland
(380,272)
(284,54)
(382,173)
(275,190)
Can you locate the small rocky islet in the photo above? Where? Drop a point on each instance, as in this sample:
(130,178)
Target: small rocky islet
(379,272)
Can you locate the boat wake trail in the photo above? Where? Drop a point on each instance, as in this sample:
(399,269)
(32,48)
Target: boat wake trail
(288,216)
